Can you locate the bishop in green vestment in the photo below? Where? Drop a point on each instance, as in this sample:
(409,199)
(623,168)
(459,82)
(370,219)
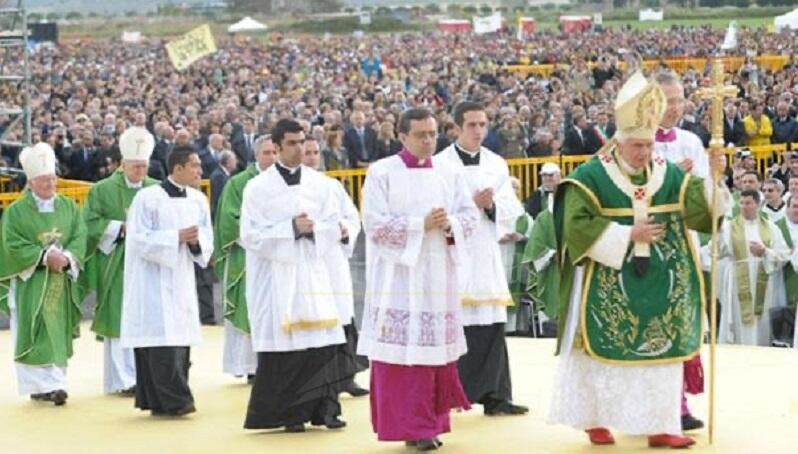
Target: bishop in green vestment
(238,358)
(631,287)
(41,254)
(104,214)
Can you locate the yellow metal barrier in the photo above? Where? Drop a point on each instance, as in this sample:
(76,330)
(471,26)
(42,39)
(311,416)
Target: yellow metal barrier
(680,65)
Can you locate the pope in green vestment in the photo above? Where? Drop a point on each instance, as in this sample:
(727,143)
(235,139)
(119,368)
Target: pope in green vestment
(631,290)
(628,316)
(106,206)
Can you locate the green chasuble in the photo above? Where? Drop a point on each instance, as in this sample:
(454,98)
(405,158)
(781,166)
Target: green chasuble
(48,303)
(544,284)
(626,318)
(108,201)
(790,276)
(228,255)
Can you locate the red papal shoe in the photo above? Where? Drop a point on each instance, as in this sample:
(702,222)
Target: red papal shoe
(670,441)
(600,436)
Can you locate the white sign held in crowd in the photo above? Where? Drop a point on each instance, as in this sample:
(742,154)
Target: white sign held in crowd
(651,15)
(488,24)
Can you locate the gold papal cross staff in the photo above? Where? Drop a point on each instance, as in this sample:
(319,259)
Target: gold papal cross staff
(717,92)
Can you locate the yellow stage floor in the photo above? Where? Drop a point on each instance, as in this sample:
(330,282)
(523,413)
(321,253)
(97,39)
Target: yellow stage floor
(757,412)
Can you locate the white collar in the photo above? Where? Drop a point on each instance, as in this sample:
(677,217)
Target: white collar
(132,185)
(180,186)
(628,168)
(44,205)
(751,221)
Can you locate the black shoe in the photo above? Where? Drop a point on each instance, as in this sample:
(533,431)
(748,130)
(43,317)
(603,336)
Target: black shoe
(40,396)
(295,428)
(190,408)
(335,423)
(689,422)
(506,408)
(59,397)
(250,379)
(427,444)
(356,391)
(130,392)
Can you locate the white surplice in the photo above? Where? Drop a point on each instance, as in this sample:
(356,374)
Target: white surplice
(686,146)
(338,259)
(483,282)
(159,304)
(413,314)
(732,330)
(288,280)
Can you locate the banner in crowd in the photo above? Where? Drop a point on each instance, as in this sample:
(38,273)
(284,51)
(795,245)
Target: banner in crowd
(730,40)
(488,24)
(651,15)
(131,37)
(191,47)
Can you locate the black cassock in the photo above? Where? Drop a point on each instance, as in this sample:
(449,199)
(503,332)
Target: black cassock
(296,387)
(162,379)
(485,368)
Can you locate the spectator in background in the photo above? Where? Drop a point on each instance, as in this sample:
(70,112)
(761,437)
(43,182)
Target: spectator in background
(733,129)
(387,145)
(360,141)
(758,128)
(228,163)
(512,138)
(334,154)
(785,129)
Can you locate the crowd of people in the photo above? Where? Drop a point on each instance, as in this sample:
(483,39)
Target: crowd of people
(349,92)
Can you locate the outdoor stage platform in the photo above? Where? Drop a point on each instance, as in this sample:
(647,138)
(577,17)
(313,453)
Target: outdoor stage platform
(757,411)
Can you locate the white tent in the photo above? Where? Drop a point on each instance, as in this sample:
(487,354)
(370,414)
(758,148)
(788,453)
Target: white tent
(246,24)
(789,20)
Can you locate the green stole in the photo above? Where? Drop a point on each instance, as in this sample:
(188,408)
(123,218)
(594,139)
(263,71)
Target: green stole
(790,276)
(47,304)
(108,201)
(749,309)
(651,319)
(229,257)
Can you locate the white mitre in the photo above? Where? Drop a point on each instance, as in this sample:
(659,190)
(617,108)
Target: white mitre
(38,160)
(639,108)
(136,144)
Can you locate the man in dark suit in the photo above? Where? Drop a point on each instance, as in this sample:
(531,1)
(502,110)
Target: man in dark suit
(733,131)
(785,129)
(580,138)
(228,162)
(244,143)
(360,141)
(210,155)
(85,158)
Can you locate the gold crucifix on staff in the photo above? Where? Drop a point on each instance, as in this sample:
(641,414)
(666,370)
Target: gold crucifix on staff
(716,93)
